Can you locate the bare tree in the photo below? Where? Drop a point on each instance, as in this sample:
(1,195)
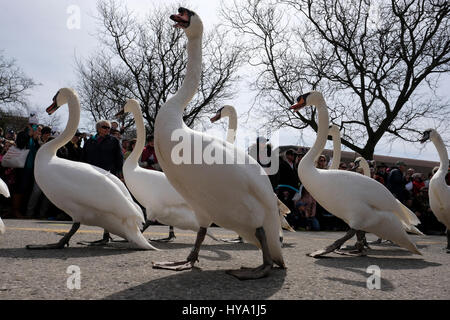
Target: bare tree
(14,84)
(378,63)
(146,60)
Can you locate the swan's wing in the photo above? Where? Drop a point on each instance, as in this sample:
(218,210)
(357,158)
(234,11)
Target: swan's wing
(4,189)
(124,190)
(75,185)
(408,216)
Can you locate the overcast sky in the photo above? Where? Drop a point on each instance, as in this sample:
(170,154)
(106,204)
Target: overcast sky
(44,40)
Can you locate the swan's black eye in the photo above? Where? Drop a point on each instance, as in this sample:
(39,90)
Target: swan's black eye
(56,95)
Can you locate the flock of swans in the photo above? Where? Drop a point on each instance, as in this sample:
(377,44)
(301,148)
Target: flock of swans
(193,196)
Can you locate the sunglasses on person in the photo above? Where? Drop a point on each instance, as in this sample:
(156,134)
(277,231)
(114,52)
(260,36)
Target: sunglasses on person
(106,127)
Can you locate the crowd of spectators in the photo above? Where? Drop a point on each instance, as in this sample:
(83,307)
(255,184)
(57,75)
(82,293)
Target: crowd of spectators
(105,149)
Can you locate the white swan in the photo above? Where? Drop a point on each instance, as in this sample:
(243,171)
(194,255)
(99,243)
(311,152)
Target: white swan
(363,203)
(236,196)
(151,188)
(90,195)
(438,190)
(4,191)
(229,112)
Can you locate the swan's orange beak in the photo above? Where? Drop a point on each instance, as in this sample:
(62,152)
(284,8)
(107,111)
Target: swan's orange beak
(300,104)
(215,118)
(182,19)
(50,110)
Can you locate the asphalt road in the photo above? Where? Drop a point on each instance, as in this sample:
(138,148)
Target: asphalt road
(118,272)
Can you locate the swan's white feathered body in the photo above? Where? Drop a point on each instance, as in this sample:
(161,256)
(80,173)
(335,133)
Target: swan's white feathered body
(90,195)
(438,190)
(363,203)
(235,196)
(151,188)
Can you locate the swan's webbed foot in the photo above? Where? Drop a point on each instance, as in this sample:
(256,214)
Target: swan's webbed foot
(98,243)
(170,238)
(191,259)
(359,250)
(235,240)
(60,244)
(251,273)
(334,246)
(175,266)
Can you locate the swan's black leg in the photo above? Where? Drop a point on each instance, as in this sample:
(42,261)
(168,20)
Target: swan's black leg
(147,224)
(191,259)
(448,240)
(61,244)
(170,238)
(335,245)
(261,271)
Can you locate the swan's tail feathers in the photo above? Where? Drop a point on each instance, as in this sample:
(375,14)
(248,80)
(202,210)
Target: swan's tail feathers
(2,227)
(407,215)
(282,208)
(285,225)
(412,229)
(138,239)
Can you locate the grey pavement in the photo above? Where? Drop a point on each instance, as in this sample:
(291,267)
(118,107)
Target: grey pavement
(119,272)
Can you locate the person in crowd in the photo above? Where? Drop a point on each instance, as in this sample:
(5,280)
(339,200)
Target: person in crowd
(74,150)
(342,166)
(125,143)
(396,182)
(103,150)
(322,162)
(28,138)
(37,198)
(418,183)
(380,173)
(288,182)
(307,207)
(130,148)
(148,157)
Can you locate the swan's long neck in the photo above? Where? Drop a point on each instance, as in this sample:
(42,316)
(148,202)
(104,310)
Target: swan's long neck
(336,151)
(232,125)
(71,127)
(321,139)
(133,158)
(442,151)
(192,78)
